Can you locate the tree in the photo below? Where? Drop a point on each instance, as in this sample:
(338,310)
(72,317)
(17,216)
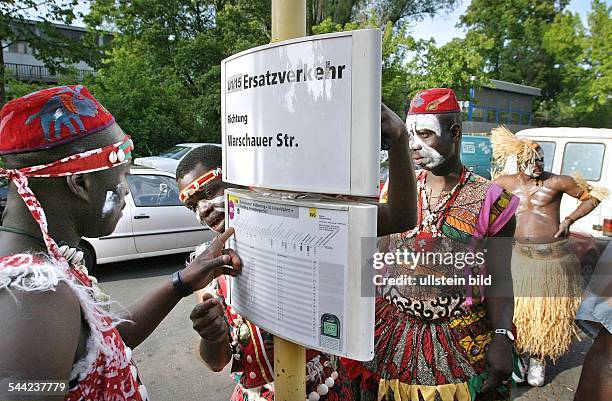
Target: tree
(593,100)
(49,44)
(516,28)
(410,65)
(539,43)
(171,51)
(394,11)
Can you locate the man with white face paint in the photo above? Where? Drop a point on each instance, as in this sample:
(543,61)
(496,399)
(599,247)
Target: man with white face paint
(448,342)
(546,273)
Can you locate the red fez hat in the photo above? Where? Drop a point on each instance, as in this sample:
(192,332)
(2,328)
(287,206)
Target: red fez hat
(434,101)
(50,117)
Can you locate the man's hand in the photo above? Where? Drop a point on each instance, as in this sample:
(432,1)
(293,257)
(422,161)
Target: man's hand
(563,230)
(212,263)
(391,126)
(499,363)
(208,320)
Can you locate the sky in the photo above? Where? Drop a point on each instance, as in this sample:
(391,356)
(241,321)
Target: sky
(442,27)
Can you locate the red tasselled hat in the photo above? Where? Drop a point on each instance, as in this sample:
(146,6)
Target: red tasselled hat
(434,101)
(50,117)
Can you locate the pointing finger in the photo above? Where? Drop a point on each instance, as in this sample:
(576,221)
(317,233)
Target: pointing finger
(221,239)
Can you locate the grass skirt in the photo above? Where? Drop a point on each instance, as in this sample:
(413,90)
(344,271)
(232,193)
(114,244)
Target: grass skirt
(547,290)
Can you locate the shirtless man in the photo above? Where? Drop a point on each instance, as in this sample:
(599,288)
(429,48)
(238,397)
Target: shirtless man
(546,273)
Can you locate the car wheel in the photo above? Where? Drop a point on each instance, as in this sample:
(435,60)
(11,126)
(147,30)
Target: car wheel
(588,267)
(89,257)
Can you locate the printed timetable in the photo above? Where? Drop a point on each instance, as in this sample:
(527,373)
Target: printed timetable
(296,278)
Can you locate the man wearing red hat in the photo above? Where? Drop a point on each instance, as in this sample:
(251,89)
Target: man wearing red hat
(67,161)
(444,332)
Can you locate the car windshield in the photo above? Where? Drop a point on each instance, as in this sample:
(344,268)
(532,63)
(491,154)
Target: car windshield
(176,152)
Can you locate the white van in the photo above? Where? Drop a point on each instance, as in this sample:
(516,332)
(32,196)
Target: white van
(588,151)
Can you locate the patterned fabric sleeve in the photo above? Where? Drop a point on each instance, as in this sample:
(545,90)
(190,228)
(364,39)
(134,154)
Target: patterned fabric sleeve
(384,196)
(498,208)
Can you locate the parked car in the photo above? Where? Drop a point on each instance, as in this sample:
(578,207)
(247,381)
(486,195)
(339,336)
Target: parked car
(584,150)
(154,223)
(169,160)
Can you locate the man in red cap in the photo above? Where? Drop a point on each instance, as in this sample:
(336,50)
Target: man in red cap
(67,161)
(443,322)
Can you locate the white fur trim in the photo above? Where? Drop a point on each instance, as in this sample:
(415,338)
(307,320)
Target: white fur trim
(37,273)
(198,251)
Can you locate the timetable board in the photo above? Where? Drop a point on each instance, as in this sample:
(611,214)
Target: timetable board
(302,270)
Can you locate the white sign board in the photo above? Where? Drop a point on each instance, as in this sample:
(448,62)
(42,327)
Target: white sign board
(302,270)
(304,114)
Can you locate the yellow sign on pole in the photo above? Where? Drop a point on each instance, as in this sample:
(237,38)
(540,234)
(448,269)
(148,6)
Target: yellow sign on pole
(288,22)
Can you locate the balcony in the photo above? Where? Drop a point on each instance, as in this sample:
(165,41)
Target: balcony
(37,73)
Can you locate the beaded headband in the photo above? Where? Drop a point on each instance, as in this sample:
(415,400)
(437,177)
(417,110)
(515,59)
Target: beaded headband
(200,183)
(86,162)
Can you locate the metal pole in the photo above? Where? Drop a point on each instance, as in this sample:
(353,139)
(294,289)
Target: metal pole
(289,21)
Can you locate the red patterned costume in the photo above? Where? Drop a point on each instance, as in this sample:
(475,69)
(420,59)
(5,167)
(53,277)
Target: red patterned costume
(39,121)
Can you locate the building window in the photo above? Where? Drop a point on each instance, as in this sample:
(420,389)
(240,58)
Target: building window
(20,48)
(524,118)
(503,117)
(477,114)
(584,158)
(492,116)
(514,118)
(75,36)
(13,47)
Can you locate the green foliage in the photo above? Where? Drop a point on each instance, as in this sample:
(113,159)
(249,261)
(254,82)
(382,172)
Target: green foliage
(539,43)
(584,61)
(397,11)
(161,81)
(336,12)
(161,78)
(593,103)
(50,45)
(171,51)
(17,88)
(409,65)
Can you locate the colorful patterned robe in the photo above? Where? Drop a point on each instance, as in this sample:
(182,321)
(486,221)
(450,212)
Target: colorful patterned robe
(431,342)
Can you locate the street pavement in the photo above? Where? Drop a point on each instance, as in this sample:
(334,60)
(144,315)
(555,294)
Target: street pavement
(171,370)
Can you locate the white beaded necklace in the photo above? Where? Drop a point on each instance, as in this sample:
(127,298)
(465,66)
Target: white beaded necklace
(431,218)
